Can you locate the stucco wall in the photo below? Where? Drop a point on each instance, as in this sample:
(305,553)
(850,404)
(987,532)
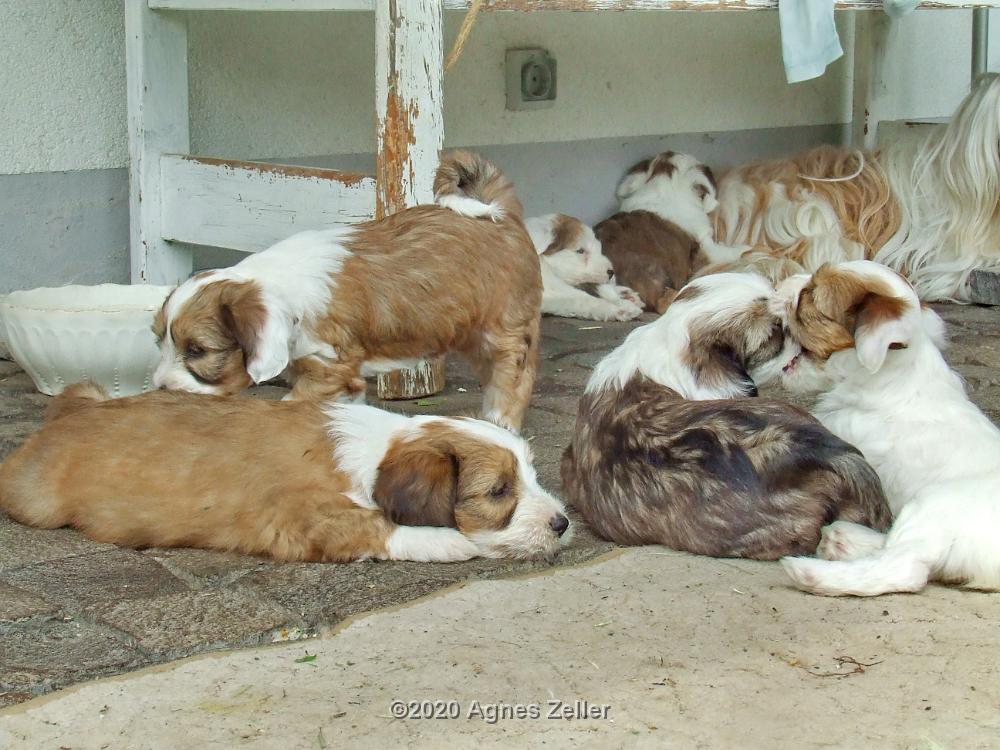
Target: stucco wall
(291,84)
(298,87)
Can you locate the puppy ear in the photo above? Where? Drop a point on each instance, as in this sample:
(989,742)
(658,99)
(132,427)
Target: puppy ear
(718,366)
(839,309)
(634,179)
(417,485)
(882,325)
(261,331)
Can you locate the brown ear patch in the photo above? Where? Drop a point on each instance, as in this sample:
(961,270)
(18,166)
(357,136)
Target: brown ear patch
(720,355)
(834,303)
(244,314)
(662,164)
(710,176)
(417,485)
(566,232)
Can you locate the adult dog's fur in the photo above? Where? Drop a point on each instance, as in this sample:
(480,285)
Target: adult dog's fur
(928,207)
(662,233)
(293,480)
(572,263)
(660,453)
(874,354)
(327,307)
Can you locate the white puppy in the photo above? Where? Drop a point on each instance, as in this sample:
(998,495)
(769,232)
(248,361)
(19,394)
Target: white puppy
(874,352)
(571,257)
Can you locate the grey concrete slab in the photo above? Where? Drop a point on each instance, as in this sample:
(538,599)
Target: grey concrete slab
(648,649)
(142,608)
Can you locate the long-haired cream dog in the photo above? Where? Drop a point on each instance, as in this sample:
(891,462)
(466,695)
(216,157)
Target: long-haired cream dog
(928,207)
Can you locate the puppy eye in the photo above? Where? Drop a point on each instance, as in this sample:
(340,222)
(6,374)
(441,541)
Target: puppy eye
(500,490)
(193,351)
(581,251)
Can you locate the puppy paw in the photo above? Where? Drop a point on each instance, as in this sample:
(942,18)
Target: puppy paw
(802,571)
(843,540)
(629,295)
(626,310)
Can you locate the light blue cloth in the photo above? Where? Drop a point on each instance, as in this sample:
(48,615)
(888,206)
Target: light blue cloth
(809,40)
(898,8)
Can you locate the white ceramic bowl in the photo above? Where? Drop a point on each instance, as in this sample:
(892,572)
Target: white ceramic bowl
(63,335)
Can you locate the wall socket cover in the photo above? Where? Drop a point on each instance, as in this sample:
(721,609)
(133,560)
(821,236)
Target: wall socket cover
(531,79)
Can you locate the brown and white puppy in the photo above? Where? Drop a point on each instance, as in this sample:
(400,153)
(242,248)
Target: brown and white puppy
(662,233)
(926,206)
(667,448)
(336,482)
(573,265)
(328,307)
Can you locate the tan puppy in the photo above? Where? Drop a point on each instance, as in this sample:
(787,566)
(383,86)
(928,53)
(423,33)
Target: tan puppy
(328,307)
(335,482)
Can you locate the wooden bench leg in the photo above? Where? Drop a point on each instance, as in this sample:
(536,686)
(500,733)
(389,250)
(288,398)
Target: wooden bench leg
(156,69)
(409,67)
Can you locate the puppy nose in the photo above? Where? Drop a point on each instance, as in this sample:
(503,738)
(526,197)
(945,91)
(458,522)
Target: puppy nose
(559,524)
(611,273)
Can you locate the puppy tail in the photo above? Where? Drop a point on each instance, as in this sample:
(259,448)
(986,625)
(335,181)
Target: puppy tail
(869,506)
(74,398)
(471,185)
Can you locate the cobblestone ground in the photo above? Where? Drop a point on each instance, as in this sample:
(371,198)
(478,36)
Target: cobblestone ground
(72,609)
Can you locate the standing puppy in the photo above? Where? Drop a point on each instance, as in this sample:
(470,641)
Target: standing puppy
(874,353)
(662,233)
(668,449)
(328,307)
(571,257)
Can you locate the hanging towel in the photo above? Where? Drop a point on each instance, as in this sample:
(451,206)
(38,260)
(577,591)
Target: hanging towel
(809,40)
(898,8)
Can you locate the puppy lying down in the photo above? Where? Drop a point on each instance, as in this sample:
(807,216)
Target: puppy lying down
(288,479)
(669,449)
(572,264)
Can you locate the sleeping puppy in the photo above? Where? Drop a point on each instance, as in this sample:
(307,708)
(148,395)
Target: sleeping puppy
(662,233)
(335,483)
(668,449)
(873,352)
(328,307)
(571,257)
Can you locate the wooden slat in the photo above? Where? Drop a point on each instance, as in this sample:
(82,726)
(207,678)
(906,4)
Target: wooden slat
(541,5)
(156,67)
(409,108)
(249,206)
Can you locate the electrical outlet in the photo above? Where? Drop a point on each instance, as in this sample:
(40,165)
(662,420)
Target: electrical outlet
(531,79)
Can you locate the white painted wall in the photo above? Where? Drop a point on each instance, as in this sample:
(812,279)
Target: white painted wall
(292,84)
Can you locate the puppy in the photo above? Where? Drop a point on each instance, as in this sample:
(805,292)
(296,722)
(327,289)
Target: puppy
(662,232)
(328,307)
(661,455)
(874,354)
(571,257)
(335,482)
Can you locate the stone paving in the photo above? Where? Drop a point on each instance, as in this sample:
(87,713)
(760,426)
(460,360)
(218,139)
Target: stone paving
(72,609)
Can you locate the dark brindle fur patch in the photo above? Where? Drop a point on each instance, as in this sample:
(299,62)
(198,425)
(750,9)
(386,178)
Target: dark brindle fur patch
(741,478)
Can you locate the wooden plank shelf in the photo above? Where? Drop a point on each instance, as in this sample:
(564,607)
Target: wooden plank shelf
(248,206)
